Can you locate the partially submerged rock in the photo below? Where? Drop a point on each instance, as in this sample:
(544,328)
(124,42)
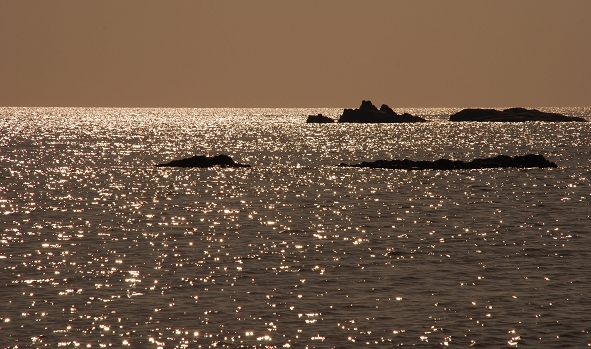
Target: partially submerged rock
(500,161)
(369,113)
(511,115)
(203,161)
(319,119)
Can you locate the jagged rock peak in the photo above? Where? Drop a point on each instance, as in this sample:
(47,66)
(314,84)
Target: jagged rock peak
(368,106)
(386,109)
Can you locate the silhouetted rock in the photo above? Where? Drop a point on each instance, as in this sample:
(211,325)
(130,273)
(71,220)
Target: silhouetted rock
(501,161)
(204,161)
(386,109)
(368,113)
(510,115)
(319,119)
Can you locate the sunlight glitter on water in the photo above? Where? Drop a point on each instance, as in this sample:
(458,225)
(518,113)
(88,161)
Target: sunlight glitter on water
(103,249)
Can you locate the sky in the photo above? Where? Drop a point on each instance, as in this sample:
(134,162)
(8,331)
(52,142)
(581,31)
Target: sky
(304,53)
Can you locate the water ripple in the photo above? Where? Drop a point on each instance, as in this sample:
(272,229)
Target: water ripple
(99,248)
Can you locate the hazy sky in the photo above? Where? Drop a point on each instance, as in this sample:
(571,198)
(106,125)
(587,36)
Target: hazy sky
(304,53)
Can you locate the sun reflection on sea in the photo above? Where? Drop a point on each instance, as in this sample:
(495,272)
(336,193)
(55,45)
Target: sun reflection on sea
(99,248)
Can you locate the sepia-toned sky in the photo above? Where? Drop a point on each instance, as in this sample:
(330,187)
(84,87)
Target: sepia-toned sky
(304,53)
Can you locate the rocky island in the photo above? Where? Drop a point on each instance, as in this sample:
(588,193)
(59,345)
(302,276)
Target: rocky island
(203,161)
(319,119)
(511,115)
(500,161)
(369,113)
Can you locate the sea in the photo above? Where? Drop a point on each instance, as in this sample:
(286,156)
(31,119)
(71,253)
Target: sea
(99,248)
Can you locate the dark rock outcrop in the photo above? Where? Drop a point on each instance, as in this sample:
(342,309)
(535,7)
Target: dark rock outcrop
(319,119)
(368,113)
(510,115)
(501,161)
(203,161)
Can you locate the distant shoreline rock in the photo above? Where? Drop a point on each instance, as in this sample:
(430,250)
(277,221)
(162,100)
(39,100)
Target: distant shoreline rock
(203,161)
(501,161)
(369,113)
(511,115)
(319,119)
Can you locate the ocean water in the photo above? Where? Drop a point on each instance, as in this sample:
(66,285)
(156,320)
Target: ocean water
(99,248)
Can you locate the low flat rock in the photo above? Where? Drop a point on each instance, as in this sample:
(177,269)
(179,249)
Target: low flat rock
(511,115)
(319,119)
(500,161)
(203,161)
(369,113)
